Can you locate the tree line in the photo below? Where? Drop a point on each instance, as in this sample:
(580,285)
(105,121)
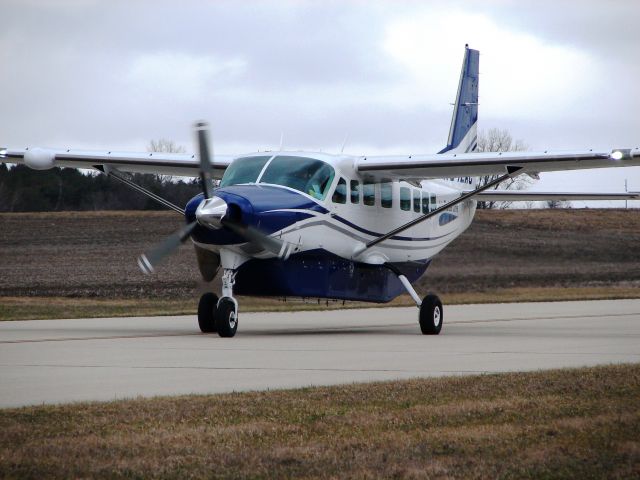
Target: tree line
(25,190)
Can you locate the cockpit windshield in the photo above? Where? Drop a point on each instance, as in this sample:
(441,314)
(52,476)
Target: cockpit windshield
(307,175)
(244,170)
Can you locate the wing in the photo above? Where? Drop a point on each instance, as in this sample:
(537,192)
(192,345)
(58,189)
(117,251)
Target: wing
(153,162)
(524,195)
(450,165)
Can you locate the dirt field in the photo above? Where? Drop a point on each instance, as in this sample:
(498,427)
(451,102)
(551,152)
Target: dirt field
(93,254)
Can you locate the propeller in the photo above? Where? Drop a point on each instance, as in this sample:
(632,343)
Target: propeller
(206,175)
(211,213)
(146,261)
(274,245)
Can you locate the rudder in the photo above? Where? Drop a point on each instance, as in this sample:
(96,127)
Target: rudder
(463,132)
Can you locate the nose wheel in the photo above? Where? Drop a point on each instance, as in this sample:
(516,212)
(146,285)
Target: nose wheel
(207,308)
(226,317)
(220,315)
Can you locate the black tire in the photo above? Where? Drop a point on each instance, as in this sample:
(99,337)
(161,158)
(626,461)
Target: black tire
(206,312)
(226,318)
(431,315)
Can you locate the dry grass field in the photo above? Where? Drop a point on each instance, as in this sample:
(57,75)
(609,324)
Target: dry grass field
(84,263)
(580,424)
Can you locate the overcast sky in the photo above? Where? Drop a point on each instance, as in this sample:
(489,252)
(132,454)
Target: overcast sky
(114,75)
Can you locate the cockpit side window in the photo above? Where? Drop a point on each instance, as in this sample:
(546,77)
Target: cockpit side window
(340,193)
(244,170)
(307,175)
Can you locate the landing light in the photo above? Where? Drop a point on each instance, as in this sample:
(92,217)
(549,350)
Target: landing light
(617,155)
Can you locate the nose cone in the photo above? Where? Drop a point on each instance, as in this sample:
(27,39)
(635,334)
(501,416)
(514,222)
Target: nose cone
(210,212)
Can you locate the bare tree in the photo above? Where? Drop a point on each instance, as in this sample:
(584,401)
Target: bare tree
(497,140)
(166,146)
(558,204)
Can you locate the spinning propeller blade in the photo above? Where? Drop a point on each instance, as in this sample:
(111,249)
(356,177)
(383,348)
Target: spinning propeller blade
(206,169)
(253,235)
(148,261)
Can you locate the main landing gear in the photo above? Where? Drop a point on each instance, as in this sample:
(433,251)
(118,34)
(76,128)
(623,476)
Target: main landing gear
(220,315)
(431,314)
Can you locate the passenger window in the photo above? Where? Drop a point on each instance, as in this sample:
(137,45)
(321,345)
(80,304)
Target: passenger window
(355,191)
(433,202)
(340,193)
(369,193)
(405,198)
(386,194)
(416,201)
(425,202)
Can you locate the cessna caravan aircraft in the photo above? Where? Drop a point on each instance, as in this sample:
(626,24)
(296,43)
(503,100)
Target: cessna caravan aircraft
(309,224)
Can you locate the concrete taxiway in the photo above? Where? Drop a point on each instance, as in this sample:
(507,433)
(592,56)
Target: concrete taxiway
(52,361)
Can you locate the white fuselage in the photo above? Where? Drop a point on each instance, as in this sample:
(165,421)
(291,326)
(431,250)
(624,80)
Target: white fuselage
(354,214)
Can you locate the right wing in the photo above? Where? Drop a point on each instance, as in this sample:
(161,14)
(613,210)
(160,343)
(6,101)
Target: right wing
(449,165)
(152,162)
(524,195)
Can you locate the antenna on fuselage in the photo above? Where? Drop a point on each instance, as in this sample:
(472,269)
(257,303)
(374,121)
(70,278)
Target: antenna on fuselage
(344,142)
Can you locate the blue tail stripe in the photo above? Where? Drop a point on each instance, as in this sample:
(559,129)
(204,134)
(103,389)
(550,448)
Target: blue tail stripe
(465,113)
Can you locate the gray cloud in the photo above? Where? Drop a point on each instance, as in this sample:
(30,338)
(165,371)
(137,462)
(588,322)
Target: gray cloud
(90,73)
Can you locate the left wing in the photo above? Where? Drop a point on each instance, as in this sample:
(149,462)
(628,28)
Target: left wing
(451,165)
(152,162)
(524,195)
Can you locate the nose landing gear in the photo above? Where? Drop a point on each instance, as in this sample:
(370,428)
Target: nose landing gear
(220,315)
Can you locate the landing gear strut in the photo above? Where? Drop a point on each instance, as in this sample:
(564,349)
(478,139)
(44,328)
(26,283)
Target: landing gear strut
(431,314)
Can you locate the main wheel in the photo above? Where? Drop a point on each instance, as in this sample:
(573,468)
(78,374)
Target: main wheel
(226,317)
(431,315)
(206,312)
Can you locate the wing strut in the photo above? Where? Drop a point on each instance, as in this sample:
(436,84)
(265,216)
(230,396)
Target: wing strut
(112,172)
(512,171)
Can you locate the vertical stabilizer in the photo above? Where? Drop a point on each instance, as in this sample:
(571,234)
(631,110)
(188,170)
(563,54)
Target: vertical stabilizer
(463,132)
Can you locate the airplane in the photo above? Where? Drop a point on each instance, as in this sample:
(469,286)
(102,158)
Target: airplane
(335,226)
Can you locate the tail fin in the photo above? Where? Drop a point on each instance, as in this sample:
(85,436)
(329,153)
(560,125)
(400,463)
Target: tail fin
(463,132)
